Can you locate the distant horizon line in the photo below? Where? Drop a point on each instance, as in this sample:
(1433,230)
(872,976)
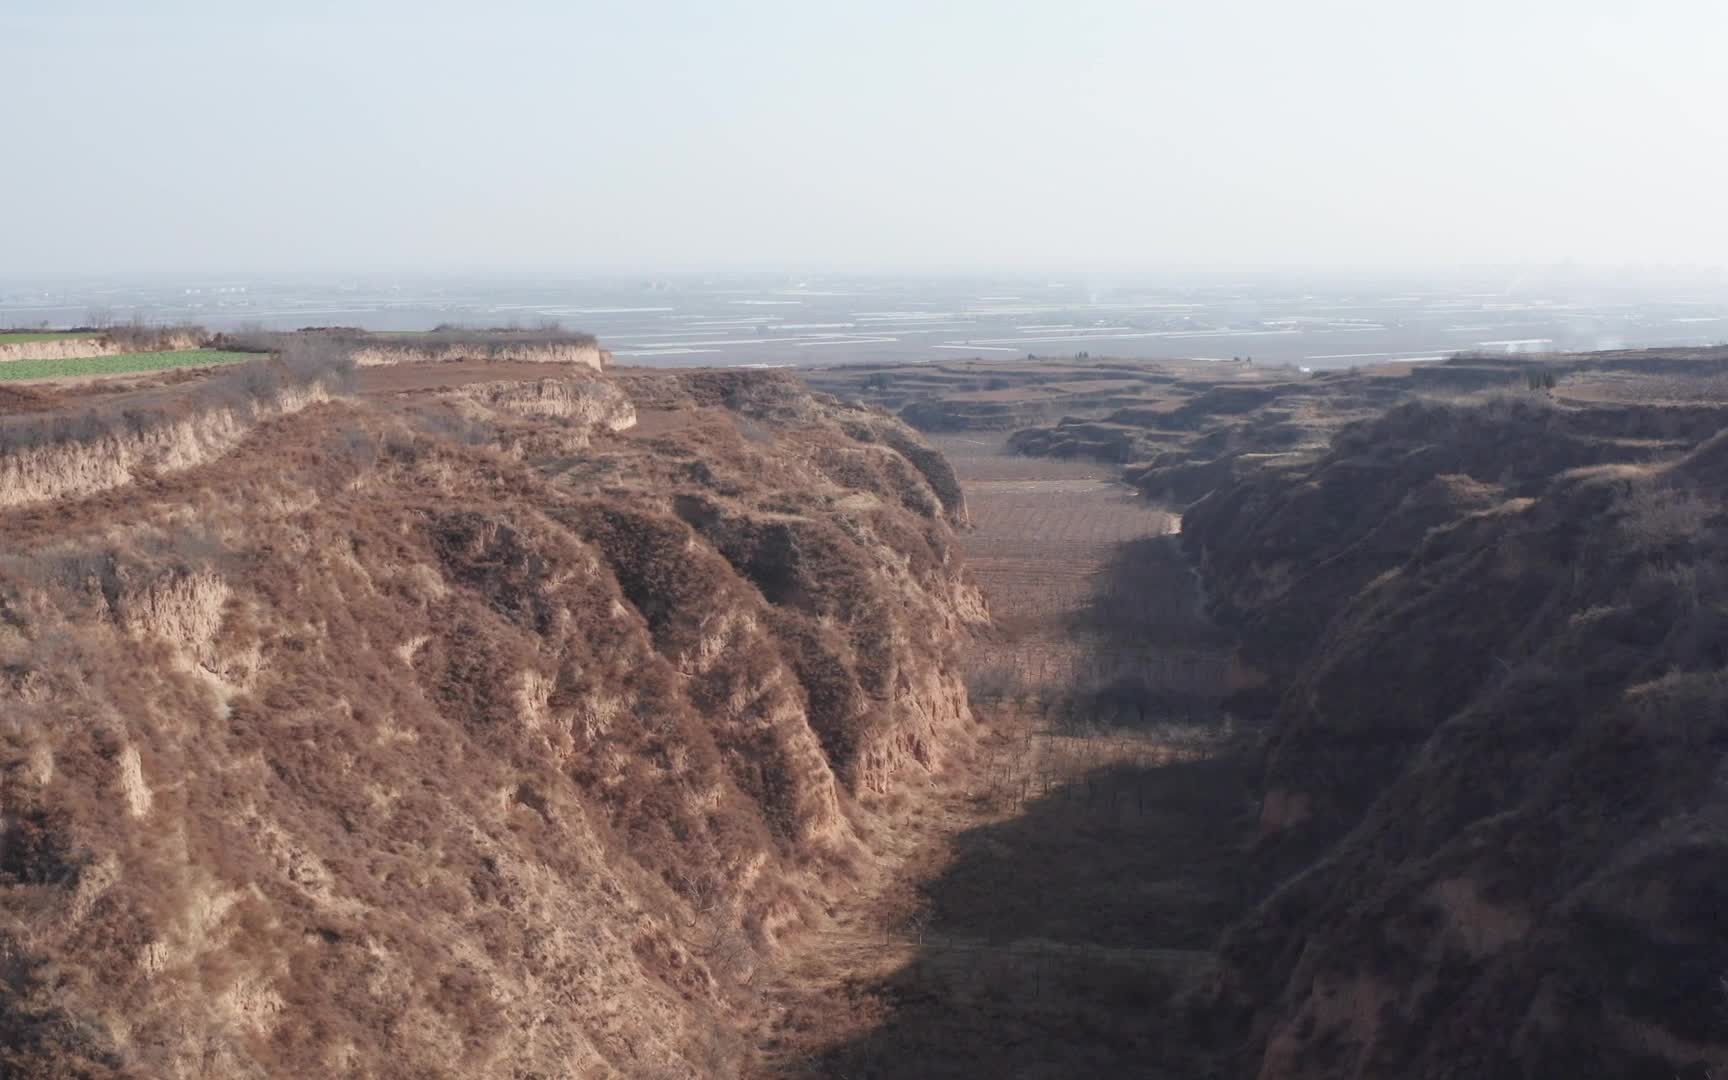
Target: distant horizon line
(549,274)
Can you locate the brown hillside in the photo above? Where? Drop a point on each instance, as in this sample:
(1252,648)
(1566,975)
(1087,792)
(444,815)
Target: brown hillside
(1481,614)
(1498,630)
(456,732)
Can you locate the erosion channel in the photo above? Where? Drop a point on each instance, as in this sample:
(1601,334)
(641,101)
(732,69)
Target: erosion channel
(1061,890)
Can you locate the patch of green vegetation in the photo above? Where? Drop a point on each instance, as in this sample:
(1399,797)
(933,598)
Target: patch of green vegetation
(122,364)
(20,337)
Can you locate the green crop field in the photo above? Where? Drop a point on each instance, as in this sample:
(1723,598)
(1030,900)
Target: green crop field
(20,337)
(122,364)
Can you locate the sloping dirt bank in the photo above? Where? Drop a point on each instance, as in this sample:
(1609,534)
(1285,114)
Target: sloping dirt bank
(460,731)
(1496,782)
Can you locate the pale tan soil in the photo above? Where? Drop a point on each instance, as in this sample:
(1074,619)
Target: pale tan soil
(381,379)
(73,348)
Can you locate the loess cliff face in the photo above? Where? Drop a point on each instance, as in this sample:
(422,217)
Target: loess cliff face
(498,730)
(1498,633)
(47,455)
(97,345)
(586,354)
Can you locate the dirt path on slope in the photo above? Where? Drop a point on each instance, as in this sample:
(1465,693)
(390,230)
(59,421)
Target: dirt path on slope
(1061,891)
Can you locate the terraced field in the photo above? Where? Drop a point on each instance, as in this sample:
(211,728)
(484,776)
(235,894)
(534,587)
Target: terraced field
(25,337)
(118,364)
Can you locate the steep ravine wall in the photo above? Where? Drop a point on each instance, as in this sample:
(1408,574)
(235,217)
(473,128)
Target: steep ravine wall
(51,460)
(460,734)
(1495,788)
(585,354)
(94,345)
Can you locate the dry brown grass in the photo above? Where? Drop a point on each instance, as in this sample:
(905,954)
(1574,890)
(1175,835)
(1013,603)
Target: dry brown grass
(428,736)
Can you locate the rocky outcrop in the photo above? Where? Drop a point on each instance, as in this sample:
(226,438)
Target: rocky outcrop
(464,733)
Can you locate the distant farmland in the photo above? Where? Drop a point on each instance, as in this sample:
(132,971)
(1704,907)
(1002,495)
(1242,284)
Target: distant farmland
(120,364)
(23,337)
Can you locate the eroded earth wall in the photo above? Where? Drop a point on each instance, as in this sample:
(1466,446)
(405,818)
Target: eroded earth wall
(499,731)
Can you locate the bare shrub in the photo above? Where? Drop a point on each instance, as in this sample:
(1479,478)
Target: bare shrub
(140,336)
(264,381)
(250,338)
(448,335)
(319,359)
(1497,405)
(995,683)
(456,427)
(1691,705)
(1655,516)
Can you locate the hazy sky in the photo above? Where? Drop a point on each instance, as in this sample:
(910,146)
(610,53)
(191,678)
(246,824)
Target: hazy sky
(878,135)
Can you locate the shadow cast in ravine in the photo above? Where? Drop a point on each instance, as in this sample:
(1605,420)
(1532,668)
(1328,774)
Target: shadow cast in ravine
(1066,941)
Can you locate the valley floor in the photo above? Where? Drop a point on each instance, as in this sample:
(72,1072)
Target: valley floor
(1059,891)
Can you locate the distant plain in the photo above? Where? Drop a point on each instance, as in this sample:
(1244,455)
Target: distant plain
(1317,321)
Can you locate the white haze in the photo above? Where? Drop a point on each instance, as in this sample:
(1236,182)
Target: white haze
(889,135)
